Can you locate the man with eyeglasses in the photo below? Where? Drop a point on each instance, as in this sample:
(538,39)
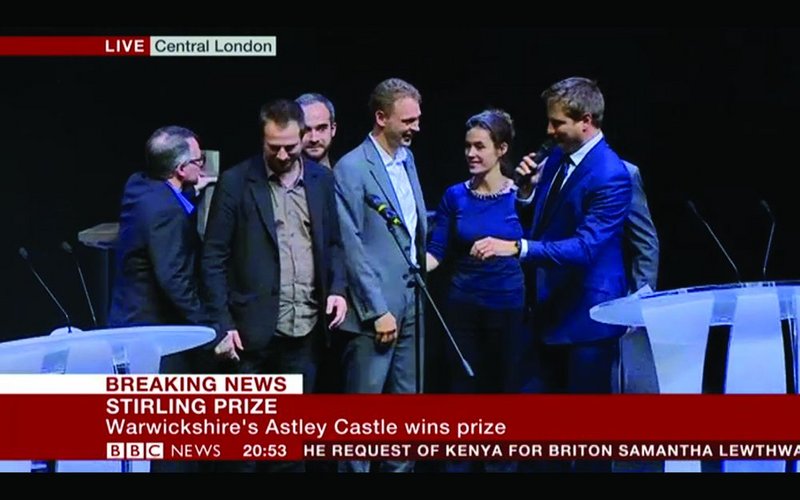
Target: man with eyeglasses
(156,276)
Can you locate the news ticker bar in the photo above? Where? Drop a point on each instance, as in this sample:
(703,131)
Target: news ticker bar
(139,46)
(458,451)
(138,415)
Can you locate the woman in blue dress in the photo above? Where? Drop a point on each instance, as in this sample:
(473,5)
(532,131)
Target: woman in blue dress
(485,299)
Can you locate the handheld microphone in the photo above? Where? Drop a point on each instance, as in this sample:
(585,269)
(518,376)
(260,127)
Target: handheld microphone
(769,241)
(389,215)
(692,206)
(543,152)
(24,254)
(68,248)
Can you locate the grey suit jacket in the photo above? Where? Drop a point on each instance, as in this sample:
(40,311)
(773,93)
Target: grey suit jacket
(641,238)
(377,273)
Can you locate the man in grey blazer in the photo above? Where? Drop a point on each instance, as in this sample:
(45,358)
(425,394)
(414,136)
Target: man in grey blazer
(379,355)
(640,246)
(637,370)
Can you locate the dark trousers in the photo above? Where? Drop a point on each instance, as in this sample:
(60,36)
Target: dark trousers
(329,365)
(578,368)
(329,381)
(490,340)
(282,355)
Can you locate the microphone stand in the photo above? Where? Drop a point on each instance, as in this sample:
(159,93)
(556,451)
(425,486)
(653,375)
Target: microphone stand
(68,249)
(23,252)
(416,272)
(769,241)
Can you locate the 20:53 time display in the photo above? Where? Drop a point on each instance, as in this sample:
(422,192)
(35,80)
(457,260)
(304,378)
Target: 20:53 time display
(264,450)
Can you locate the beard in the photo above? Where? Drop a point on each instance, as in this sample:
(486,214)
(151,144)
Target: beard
(316,153)
(281,167)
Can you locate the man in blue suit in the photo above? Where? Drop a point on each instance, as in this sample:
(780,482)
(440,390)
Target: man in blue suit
(581,198)
(156,279)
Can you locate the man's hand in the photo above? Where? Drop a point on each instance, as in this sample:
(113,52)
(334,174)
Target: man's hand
(338,307)
(493,247)
(203,181)
(385,329)
(226,349)
(526,167)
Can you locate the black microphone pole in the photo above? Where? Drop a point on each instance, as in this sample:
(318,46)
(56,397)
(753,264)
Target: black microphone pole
(24,254)
(787,326)
(713,235)
(68,248)
(392,223)
(769,241)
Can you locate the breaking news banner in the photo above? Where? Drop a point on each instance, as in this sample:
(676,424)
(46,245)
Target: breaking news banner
(265,417)
(141,46)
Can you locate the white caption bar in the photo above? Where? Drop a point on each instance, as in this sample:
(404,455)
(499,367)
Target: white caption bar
(259,46)
(150,384)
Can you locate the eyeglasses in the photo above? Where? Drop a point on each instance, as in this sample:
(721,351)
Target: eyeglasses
(199,162)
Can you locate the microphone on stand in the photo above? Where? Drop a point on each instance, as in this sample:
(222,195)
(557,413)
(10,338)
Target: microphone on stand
(389,215)
(23,252)
(692,206)
(68,248)
(392,219)
(769,241)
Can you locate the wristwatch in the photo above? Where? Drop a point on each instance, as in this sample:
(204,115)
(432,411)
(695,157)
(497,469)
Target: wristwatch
(518,247)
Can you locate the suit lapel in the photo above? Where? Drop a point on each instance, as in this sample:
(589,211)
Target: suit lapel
(573,179)
(541,196)
(581,171)
(384,189)
(259,189)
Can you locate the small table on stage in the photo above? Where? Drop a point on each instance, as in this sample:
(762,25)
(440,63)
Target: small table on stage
(678,322)
(107,351)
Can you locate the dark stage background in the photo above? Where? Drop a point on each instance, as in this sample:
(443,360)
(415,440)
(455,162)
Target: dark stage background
(707,115)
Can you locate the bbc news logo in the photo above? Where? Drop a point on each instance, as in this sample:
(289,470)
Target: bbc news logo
(134,451)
